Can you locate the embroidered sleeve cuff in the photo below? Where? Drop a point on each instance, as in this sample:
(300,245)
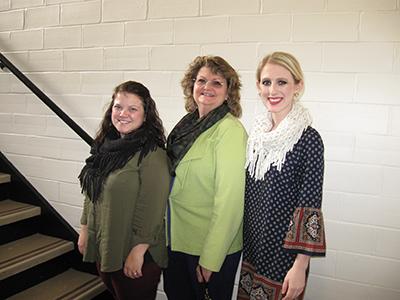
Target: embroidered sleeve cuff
(306,232)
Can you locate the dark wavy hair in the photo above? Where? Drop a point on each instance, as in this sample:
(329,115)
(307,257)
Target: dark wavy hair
(219,66)
(152,123)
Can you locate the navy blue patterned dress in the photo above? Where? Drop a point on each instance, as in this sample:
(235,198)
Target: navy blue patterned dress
(282,218)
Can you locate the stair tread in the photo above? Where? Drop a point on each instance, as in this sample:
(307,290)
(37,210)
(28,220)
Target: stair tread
(22,254)
(4,178)
(13,211)
(71,284)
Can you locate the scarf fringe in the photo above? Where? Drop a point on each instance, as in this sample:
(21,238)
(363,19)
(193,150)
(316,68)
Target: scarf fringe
(267,148)
(112,155)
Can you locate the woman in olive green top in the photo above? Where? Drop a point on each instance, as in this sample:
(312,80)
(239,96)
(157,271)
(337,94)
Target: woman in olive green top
(126,183)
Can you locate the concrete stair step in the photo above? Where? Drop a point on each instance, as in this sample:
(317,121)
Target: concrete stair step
(13,211)
(70,285)
(25,253)
(4,178)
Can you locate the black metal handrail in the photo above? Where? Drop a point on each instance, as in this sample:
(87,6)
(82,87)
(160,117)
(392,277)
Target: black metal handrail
(5,63)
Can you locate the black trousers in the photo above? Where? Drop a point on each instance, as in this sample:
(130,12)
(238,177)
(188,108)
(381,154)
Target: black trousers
(180,280)
(126,288)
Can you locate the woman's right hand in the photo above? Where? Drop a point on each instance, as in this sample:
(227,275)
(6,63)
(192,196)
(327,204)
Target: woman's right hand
(203,274)
(82,241)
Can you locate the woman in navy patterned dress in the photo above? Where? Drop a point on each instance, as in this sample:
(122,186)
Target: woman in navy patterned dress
(283,223)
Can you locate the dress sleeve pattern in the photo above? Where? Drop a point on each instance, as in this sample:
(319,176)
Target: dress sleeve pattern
(306,232)
(306,228)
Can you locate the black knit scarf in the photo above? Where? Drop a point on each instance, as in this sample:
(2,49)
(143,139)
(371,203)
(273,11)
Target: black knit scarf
(188,130)
(112,155)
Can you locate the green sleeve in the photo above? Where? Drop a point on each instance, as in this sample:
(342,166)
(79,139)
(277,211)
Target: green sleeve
(227,214)
(85,211)
(150,207)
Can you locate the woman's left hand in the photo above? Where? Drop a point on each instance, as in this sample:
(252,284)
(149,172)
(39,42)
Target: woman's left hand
(295,279)
(134,261)
(203,274)
(294,283)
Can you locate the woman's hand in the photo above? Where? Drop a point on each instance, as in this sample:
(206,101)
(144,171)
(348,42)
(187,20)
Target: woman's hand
(82,240)
(203,275)
(134,261)
(295,279)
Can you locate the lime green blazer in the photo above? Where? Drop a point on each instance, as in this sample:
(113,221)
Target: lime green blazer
(207,197)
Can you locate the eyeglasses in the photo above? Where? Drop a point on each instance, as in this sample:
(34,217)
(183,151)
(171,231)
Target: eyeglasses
(203,82)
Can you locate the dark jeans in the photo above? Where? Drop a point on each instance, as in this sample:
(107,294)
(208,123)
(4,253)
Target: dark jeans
(180,280)
(124,288)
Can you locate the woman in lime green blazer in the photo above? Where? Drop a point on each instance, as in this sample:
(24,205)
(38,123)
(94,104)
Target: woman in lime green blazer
(207,150)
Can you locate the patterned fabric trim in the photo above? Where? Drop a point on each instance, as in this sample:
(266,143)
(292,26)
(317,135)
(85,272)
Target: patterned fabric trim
(253,286)
(306,232)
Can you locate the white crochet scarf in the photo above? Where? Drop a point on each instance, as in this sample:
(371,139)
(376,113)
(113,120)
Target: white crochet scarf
(266,148)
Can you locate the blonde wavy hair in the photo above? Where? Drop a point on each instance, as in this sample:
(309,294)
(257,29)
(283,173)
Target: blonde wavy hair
(286,60)
(219,66)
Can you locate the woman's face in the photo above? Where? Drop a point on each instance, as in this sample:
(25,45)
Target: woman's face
(209,91)
(277,89)
(127,113)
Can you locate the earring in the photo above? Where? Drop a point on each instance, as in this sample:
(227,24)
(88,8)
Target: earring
(296,95)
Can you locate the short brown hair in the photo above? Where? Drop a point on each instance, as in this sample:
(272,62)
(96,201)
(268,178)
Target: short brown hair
(218,66)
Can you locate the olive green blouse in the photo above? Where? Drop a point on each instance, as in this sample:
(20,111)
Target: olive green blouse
(130,211)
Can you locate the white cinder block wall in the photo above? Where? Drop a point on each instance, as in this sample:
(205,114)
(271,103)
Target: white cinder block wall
(77,51)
